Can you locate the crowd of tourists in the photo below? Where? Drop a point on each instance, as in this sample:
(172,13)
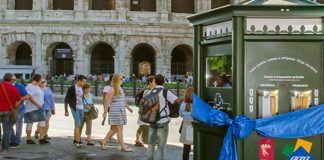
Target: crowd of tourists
(34,103)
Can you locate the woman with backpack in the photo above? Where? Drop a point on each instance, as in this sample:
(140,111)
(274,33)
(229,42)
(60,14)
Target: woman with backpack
(186,136)
(142,126)
(115,106)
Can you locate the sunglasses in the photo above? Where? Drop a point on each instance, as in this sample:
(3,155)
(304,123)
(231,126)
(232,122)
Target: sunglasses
(44,82)
(14,80)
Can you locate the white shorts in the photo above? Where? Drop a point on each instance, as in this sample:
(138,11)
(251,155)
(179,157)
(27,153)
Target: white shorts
(29,126)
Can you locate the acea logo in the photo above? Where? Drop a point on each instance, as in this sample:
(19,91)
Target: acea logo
(300,152)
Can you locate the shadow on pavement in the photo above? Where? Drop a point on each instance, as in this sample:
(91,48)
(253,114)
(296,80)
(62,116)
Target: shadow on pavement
(61,148)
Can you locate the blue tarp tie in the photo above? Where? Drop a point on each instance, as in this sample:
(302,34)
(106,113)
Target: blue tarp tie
(301,123)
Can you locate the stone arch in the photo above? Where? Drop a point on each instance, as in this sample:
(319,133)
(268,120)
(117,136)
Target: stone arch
(181,61)
(143,54)
(10,41)
(90,40)
(102,58)
(60,57)
(20,53)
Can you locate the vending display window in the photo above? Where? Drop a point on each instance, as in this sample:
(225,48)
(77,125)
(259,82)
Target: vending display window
(218,66)
(267,105)
(300,99)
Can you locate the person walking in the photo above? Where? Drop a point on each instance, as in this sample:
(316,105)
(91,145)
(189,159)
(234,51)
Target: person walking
(9,100)
(116,105)
(158,133)
(104,96)
(73,99)
(189,79)
(48,106)
(142,126)
(186,136)
(87,103)
(35,112)
(16,136)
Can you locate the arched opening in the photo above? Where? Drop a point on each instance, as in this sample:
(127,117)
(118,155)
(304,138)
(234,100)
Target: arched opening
(102,59)
(23,4)
(219,3)
(62,61)
(143,5)
(63,4)
(143,59)
(183,6)
(181,62)
(101,4)
(23,54)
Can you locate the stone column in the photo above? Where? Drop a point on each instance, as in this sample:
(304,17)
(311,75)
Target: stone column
(122,54)
(81,60)
(166,60)
(3,5)
(120,7)
(2,54)
(37,59)
(202,5)
(86,63)
(10,4)
(163,8)
(78,9)
(38,5)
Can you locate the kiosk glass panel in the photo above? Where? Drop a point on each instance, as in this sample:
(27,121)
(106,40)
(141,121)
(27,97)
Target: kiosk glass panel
(219,71)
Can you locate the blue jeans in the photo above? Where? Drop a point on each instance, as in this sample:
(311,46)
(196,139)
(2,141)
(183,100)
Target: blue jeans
(158,135)
(16,138)
(7,126)
(78,115)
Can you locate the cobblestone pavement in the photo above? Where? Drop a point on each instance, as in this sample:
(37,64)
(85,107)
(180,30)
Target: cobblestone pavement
(61,148)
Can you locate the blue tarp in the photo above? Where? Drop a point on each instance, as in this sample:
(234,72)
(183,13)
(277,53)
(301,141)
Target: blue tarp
(301,123)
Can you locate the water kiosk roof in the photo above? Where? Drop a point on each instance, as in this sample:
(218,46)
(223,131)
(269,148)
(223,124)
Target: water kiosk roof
(278,2)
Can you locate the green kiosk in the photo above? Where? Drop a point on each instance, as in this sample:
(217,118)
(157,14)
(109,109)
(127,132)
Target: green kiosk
(259,58)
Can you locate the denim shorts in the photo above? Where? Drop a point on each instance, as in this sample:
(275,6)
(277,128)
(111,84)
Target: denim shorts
(78,115)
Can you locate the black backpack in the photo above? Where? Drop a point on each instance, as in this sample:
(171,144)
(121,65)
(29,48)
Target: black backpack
(174,108)
(138,97)
(149,107)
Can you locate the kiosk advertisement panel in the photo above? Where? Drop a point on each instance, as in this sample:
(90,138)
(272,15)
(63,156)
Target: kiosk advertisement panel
(281,77)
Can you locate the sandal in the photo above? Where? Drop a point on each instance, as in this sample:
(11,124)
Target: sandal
(126,149)
(90,143)
(103,146)
(139,144)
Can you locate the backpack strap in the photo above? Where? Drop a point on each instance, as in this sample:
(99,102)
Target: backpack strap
(165,95)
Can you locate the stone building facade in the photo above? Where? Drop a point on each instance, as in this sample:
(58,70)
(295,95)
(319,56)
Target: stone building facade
(99,36)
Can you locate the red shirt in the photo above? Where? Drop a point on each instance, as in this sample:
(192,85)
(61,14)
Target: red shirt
(13,95)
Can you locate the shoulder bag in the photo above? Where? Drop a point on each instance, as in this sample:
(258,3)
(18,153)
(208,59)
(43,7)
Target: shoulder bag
(93,111)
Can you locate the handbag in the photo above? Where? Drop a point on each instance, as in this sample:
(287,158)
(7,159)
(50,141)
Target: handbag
(186,136)
(13,114)
(93,111)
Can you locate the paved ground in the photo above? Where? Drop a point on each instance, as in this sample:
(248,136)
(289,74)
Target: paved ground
(61,148)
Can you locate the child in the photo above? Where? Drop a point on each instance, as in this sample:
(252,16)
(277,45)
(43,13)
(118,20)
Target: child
(186,136)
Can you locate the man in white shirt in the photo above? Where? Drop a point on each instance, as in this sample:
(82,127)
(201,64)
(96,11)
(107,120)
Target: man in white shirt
(35,113)
(158,133)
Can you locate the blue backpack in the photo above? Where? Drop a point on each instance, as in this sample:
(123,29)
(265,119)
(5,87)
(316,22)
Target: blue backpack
(149,107)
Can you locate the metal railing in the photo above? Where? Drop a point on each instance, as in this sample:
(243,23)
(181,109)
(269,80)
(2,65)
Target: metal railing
(131,88)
